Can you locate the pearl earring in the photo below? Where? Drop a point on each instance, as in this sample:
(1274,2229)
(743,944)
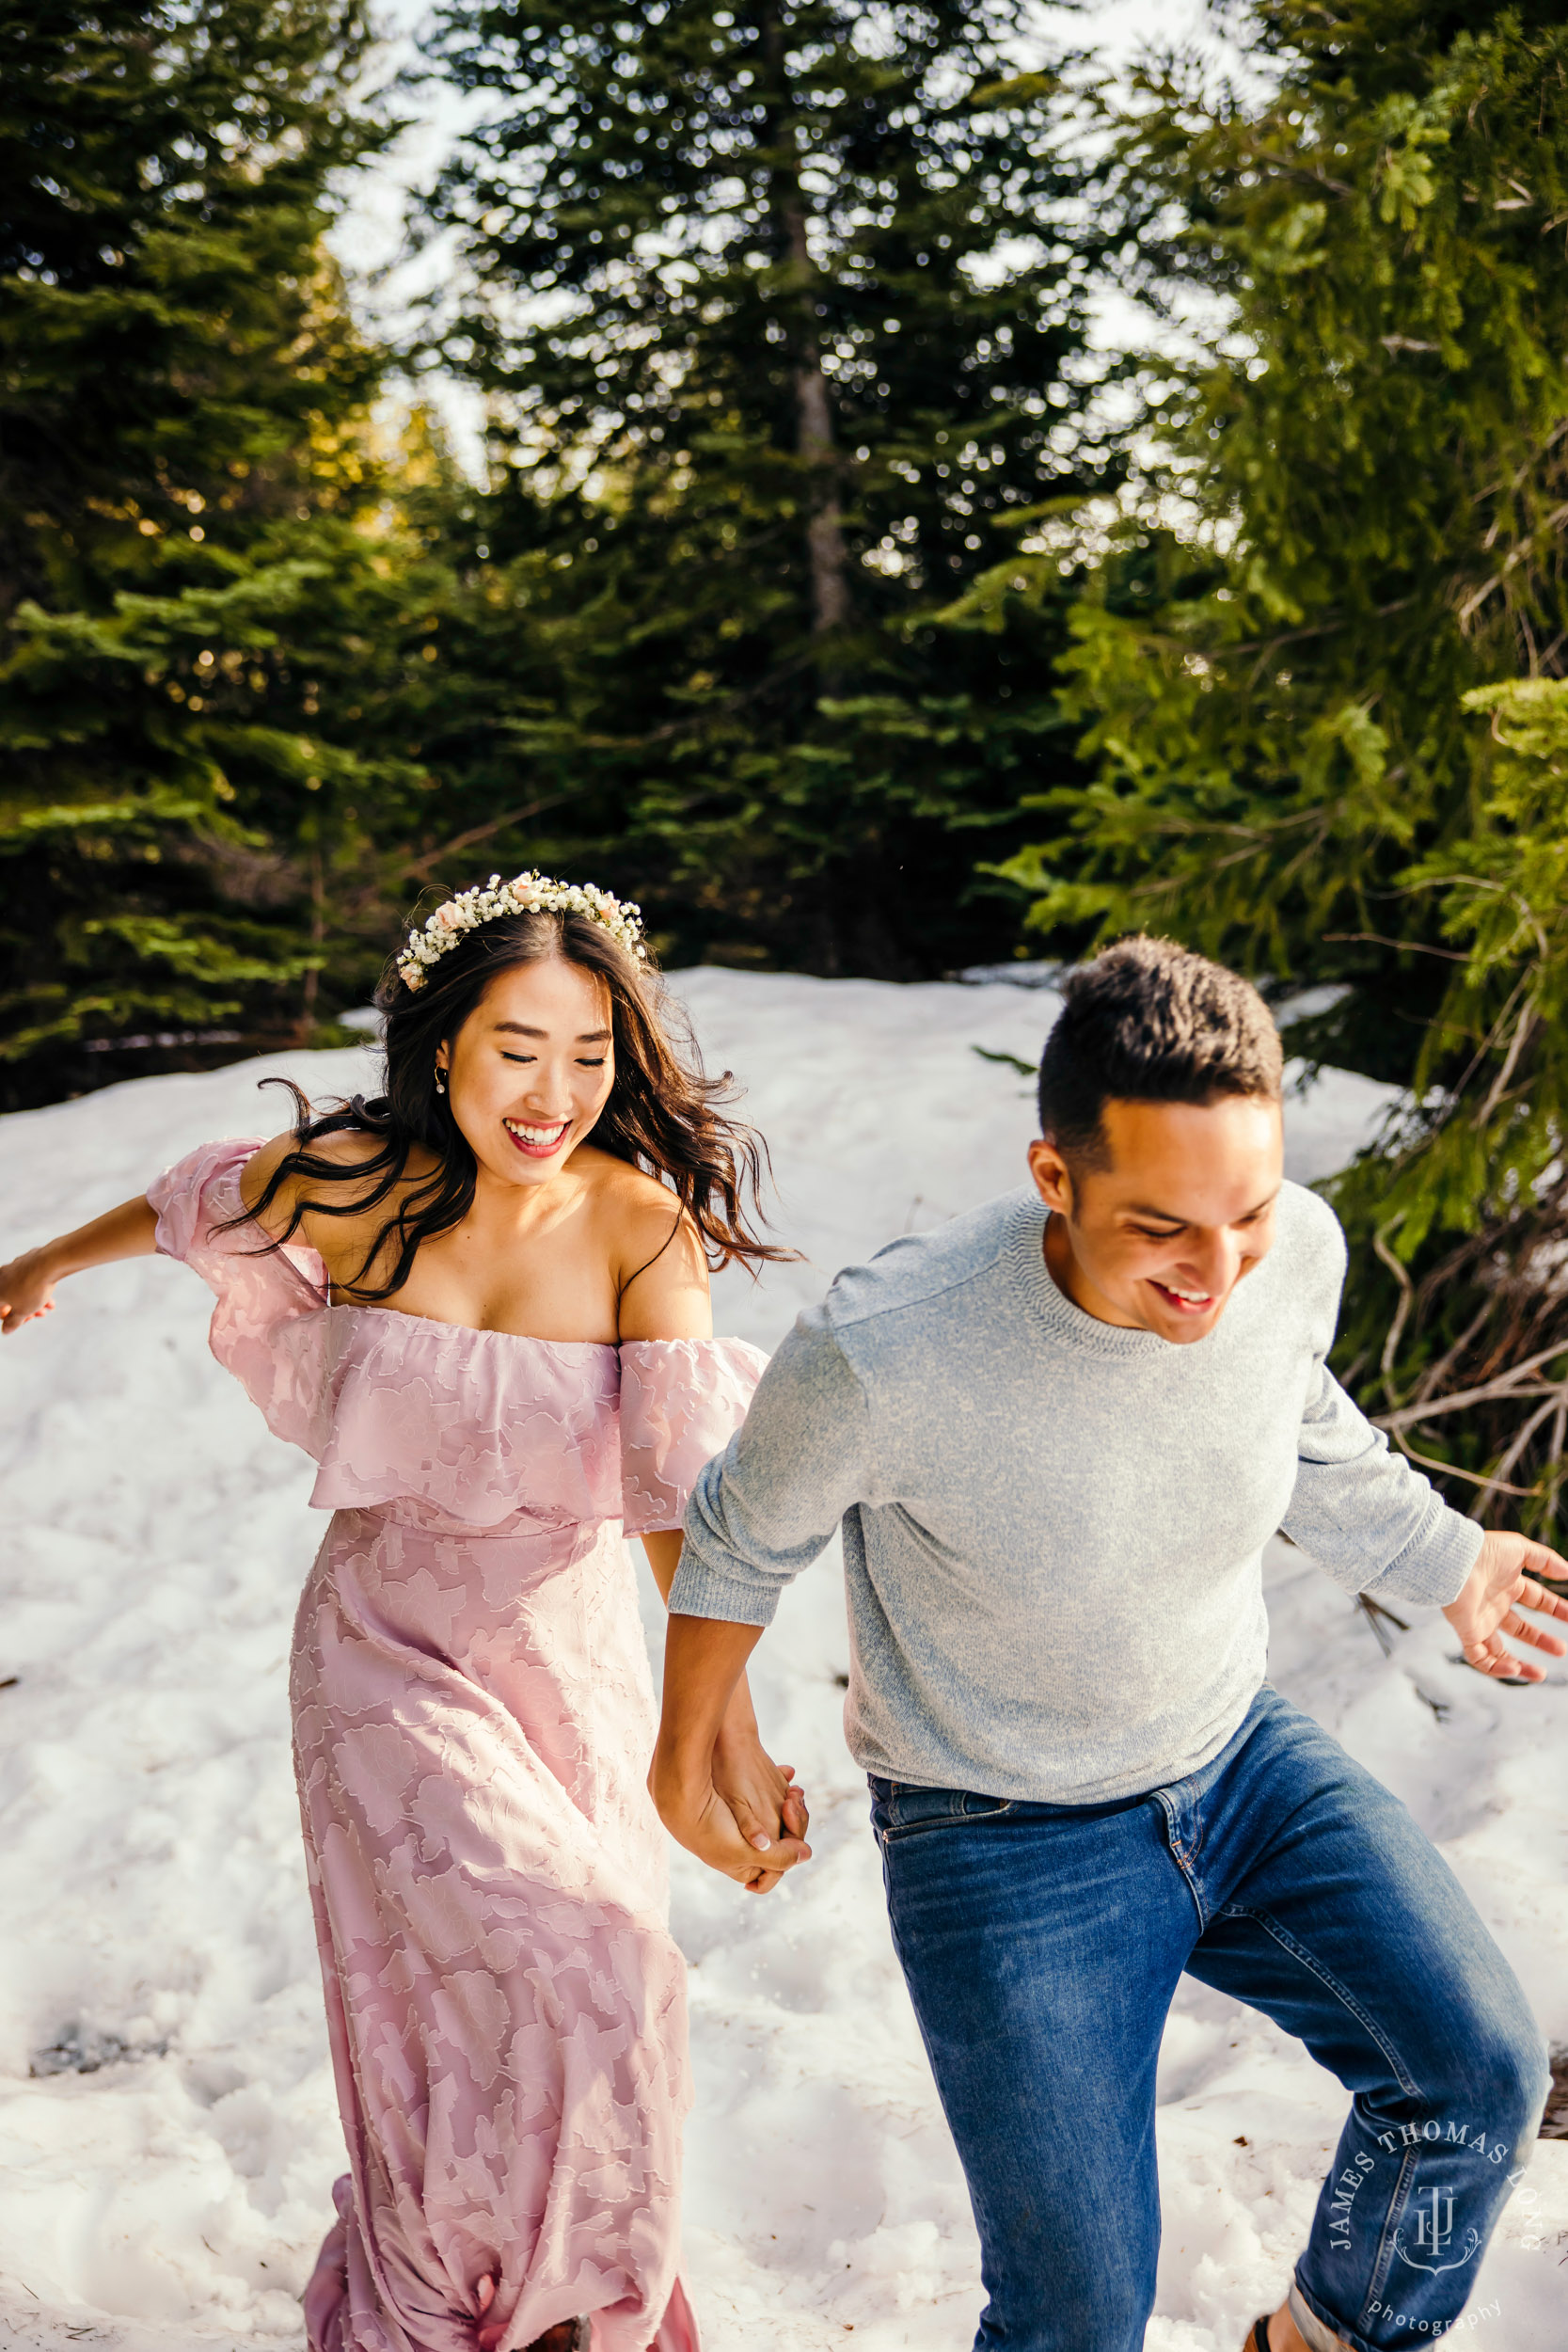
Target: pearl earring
(440,1080)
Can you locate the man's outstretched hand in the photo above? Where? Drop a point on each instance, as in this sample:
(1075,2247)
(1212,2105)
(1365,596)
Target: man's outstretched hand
(1498,1587)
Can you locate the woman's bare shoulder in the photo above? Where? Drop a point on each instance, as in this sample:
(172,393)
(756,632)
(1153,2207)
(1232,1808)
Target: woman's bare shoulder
(631,1203)
(656,1252)
(261,1166)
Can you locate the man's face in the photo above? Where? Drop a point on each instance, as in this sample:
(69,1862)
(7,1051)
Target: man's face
(1158,1237)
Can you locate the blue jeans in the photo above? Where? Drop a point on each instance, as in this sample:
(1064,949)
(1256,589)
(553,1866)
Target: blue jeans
(1043,1944)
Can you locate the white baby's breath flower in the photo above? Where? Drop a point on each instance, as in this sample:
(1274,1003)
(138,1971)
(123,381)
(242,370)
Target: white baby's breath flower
(531,893)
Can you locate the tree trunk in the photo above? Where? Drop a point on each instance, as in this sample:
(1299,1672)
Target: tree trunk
(813,415)
(830,577)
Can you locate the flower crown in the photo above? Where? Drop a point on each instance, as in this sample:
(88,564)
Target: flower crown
(526,894)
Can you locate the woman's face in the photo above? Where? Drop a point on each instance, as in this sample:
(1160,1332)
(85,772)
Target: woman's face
(531,1069)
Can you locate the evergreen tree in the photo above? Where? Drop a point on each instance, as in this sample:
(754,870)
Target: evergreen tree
(1282,701)
(780,306)
(1372,455)
(1454,1329)
(191,591)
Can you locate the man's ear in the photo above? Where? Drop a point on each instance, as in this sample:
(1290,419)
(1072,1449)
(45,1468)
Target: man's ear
(1052,1175)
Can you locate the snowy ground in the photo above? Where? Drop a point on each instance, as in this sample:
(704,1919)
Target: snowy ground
(168,2130)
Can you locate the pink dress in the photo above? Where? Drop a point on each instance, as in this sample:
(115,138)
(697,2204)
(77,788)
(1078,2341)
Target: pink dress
(473,1718)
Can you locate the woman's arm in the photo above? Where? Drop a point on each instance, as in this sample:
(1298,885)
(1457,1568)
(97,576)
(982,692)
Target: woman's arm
(663,1286)
(663,1547)
(28,1284)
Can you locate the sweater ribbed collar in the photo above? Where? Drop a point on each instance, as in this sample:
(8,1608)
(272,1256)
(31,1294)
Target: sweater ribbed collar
(1067,1324)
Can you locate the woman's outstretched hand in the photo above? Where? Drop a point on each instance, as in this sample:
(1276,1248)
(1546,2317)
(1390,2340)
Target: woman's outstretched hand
(28,1284)
(1501,1584)
(27,1289)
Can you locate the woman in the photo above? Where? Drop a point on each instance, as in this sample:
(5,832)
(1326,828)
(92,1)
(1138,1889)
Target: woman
(494,1335)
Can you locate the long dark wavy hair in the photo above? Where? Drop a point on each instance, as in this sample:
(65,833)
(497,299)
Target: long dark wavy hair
(663,1114)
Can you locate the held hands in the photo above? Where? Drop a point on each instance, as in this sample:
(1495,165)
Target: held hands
(761,1799)
(27,1290)
(1501,1584)
(740,1813)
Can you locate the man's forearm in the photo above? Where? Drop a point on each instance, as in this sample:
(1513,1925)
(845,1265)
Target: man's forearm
(663,1549)
(704,1659)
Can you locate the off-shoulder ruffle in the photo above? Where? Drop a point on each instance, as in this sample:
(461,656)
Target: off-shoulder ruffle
(478,1426)
(681,1402)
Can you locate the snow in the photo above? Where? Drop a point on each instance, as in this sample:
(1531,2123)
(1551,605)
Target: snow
(165,2164)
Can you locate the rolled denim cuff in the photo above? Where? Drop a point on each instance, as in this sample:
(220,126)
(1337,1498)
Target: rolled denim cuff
(1314,2334)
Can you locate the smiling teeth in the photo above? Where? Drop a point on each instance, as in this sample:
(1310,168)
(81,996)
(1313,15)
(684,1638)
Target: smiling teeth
(536,1135)
(1193,1298)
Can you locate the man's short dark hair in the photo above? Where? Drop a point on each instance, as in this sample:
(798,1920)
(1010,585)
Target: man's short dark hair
(1149,1022)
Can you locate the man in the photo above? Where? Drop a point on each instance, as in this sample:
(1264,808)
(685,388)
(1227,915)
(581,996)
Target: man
(1058,1435)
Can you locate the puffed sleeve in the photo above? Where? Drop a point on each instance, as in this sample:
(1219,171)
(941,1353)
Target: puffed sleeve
(681,1402)
(266,1327)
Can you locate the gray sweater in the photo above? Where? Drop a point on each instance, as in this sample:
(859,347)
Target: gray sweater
(1053,1528)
